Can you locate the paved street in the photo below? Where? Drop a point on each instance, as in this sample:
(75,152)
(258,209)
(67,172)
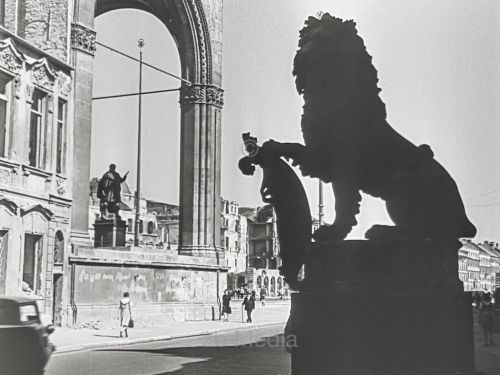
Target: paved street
(225,348)
(249,352)
(487,358)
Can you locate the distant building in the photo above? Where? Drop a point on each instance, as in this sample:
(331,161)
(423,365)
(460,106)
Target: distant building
(263,244)
(167,219)
(233,236)
(479,266)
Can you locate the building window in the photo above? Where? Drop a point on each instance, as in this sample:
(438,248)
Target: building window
(21,18)
(32,265)
(4,238)
(59,247)
(130,225)
(37,129)
(4,106)
(151,227)
(60,145)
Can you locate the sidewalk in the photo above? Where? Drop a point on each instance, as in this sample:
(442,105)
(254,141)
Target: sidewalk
(67,339)
(273,314)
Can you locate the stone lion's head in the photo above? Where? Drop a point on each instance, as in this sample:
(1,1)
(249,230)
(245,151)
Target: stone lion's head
(333,67)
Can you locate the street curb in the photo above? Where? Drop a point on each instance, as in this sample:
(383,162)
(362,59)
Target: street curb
(123,342)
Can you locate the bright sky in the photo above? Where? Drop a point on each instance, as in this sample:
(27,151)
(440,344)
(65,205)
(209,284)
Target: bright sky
(439,69)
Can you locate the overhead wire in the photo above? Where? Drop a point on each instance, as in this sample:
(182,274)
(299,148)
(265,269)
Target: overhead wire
(189,83)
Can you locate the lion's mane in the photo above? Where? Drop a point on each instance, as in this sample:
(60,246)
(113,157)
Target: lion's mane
(334,73)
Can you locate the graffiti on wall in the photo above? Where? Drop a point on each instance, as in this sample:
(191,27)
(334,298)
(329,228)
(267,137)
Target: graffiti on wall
(106,284)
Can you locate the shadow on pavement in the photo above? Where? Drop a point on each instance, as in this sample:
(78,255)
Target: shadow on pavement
(113,336)
(266,356)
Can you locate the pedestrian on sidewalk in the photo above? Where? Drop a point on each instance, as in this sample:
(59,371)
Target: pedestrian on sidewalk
(263,296)
(249,305)
(487,319)
(226,305)
(125,314)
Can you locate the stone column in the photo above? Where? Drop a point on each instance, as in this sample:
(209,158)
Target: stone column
(200,170)
(82,59)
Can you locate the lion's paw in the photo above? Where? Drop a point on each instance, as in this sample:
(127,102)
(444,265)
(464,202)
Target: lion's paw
(383,232)
(331,232)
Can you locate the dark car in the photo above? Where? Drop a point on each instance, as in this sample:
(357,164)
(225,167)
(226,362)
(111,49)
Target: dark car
(24,340)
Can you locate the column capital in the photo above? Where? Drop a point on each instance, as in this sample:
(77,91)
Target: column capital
(83,39)
(197,93)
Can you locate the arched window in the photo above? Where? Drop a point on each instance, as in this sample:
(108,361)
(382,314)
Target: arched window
(273,286)
(280,284)
(151,227)
(59,247)
(259,282)
(266,282)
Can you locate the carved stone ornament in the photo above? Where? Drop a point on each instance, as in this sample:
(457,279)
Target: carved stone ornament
(215,96)
(202,94)
(193,94)
(83,39)
(201,33)
(17,87)
(43,75)
(4,176)
(64,84)
(60,186)
(10,58)
(50,103)
(29,90)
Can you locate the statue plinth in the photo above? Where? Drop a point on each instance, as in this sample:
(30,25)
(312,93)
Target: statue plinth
(109,232)
(370,308)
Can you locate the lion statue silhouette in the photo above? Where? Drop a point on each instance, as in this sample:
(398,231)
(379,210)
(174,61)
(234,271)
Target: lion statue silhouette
(349,143)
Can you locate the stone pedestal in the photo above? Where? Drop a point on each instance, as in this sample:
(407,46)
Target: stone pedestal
(109,233)
(388,308)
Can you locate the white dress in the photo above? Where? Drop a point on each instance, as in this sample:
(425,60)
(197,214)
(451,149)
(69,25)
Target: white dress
(125,313)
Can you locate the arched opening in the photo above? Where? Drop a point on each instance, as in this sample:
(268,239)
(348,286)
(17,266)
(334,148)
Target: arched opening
(280,284)
(266,283)
(115,120)
(273,286)
(151,227)
(197,30)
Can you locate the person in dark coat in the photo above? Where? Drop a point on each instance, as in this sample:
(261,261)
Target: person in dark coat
(487,319)
(226,305)
(249,305)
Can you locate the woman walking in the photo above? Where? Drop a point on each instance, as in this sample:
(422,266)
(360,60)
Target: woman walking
(125,314)
(226,305)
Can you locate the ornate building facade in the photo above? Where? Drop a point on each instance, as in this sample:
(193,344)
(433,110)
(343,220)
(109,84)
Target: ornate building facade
(35,168)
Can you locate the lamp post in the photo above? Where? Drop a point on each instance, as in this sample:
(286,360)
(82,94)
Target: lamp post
(140,44)
(320,205)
